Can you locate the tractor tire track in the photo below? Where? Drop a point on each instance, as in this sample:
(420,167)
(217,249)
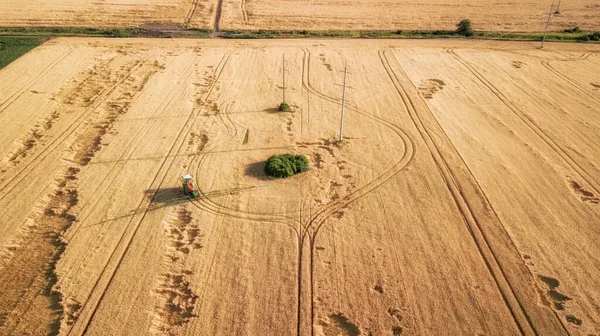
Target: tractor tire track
(573,84)
(566,158)
(51,147)
(8,102)
(69,219)
(319,218)
(471,208)
(127,241)
(245,17)
(168,100)
(305,232)
(216,30)
(190,15)
(518,314)
(204,201)
(137,138)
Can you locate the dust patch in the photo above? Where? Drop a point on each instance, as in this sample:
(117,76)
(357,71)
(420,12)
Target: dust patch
(429,87)
(517,64)
(324,62)
(176,297)
(33,296)
(337,324)
(29,141)
(574,320)
(558,299)
(84,92)
(89,141)
(586,196)
(196,141)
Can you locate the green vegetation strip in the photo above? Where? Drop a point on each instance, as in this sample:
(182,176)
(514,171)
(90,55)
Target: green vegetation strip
(12,48)
(103,32)
(579,36)
(463,30)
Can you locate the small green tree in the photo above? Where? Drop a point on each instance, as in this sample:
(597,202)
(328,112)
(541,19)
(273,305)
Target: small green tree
(286,165)
(284,107)
(464,28)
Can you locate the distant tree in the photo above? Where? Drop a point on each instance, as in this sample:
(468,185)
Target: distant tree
(464,28)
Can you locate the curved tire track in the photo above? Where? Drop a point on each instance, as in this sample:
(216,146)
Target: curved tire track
(566,158)
(489,238)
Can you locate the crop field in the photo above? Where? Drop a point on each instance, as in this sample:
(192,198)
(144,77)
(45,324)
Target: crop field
(494,15)
(112,13)
(322,15)
(465,199)
(12,48)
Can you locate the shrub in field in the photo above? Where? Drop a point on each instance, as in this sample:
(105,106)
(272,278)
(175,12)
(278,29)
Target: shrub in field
(286,165)
(589,37)
(574,30)
(464,28)
(284,107)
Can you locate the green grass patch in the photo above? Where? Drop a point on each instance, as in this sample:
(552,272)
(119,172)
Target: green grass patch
(12,48)
(246,137)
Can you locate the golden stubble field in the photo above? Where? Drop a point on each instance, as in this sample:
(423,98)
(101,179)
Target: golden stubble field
(107,14)
(465,200)
(520,16)
(300,15)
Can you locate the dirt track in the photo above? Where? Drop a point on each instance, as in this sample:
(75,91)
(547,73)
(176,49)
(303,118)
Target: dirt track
(464,202)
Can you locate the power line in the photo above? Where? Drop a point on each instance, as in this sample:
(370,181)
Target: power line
(284,78)
(547,24)
(343,103)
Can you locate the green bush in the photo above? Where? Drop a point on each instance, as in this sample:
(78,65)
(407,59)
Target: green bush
(574,30)
(286,165)
(284,107)
(583,38)
(464,28)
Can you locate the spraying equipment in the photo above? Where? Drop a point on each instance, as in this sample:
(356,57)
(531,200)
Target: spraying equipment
(188,187)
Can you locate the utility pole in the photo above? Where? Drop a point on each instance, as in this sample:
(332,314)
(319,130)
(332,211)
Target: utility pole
(284,78)
(343,103)
(558,8)
(547,24)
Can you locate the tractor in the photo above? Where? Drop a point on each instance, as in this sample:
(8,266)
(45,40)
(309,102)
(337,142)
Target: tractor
(188,187)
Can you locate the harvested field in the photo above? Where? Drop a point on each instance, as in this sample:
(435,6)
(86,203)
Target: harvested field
(107,14)
(407,15)
(465,200)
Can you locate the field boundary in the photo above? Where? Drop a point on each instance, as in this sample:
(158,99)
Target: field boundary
(216,32)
